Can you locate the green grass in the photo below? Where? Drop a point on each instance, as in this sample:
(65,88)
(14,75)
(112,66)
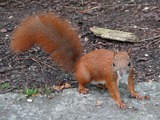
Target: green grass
(30,92)
(33,91)
(47,90)
(4,86)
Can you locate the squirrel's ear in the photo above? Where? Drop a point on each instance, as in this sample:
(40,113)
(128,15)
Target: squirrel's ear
(129,51)
(115,51)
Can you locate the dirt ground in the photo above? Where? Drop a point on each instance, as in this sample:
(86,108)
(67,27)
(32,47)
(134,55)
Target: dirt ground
(35,69)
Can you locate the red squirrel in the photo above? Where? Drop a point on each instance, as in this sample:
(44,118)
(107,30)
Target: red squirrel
(57,37)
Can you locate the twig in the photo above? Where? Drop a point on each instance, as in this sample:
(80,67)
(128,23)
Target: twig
(151,38)
(36,60)
(89,9)
(157,42)
(114,34)
(95,7)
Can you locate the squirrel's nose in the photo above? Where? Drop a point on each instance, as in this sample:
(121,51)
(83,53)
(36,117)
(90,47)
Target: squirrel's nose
(122,73)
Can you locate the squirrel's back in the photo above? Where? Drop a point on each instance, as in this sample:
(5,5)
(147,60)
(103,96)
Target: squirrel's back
(54,35)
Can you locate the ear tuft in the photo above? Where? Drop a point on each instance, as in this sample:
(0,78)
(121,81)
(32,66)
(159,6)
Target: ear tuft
(129,51)
(115,50)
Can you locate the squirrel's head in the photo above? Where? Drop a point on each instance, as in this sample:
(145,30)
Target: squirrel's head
(122,63)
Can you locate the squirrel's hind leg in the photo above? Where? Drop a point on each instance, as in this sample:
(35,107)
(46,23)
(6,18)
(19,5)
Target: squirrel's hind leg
(83,77)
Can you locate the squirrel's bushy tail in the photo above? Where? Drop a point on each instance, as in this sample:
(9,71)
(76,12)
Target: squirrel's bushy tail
(52,34)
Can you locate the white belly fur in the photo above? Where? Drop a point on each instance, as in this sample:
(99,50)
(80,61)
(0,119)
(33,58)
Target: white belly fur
(99,82)
(123,80)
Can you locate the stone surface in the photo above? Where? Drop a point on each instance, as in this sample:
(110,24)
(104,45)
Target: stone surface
(70,105)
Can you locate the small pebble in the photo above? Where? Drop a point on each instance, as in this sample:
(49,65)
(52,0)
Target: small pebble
(10,17)
(86,39)
(3,30)
(130,107)
(50,97)
(135,26)
(29,100)
(146,55)
(145,9)
(85,18)
(126,10)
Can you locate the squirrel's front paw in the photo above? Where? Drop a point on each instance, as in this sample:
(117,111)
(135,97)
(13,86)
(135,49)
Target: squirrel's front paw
(137,96)
(122,105)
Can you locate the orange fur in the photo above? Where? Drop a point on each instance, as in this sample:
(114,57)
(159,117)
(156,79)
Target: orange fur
(52,34)
(98,66)
(59,39)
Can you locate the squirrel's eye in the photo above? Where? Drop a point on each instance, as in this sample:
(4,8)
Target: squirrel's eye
(114,65)
(129,64)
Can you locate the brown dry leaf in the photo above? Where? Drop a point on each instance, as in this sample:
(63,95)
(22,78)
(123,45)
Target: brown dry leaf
(36,95)
(60,87)
(67,85)
(146,97)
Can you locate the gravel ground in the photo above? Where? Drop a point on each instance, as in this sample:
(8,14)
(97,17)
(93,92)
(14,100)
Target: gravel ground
(70,105)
